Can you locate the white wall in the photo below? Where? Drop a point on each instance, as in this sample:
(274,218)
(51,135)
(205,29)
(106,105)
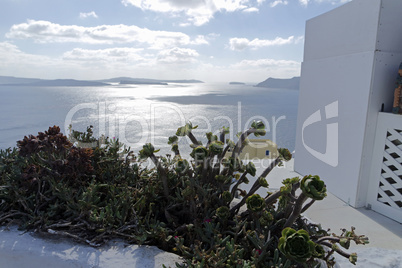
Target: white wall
(351,58)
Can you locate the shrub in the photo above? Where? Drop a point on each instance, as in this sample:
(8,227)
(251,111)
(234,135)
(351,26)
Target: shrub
(183,204)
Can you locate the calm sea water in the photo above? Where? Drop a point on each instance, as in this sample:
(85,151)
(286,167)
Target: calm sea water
(147,113)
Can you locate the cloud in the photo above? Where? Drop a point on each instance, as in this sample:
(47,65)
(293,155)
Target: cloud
(80,63)
(333,2)
(269,67)
(178,56)
(243,43)
(48,32)
(88,15)
(278,2)
(264,63)
(249,70)
(124,54)
(250,10)
(16,62)
(196,12)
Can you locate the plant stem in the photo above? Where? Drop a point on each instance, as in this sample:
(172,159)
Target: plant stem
(337,249)
(273,197)
(296,210)
(238,183)
(240,143)
(162,174)
(222,136)
(193,139)
(329,238)
(256,185)
(308,205)
(271,167)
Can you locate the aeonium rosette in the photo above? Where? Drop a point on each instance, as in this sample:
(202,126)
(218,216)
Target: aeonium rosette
(182,166)
(147,151)
(255,203)
(284,154)
(250,168)
(296,245)
(223,212)
(313,187)
(185,130)
(216,147)
(259,128)
(199,153)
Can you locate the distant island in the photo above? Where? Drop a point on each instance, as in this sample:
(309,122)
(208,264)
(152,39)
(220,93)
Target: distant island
(237,83)
(65,83)
(290,83)
(35,82)
(124,82)
(139,81)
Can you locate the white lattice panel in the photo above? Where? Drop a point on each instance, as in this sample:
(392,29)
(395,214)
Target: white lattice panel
(390,186)
(385,185)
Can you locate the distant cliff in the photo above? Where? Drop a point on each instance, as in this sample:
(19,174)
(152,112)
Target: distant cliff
(291,83)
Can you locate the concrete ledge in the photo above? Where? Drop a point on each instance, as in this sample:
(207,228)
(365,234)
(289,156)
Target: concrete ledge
(18,249)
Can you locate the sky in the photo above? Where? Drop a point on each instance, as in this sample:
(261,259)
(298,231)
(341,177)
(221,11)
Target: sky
(208,40)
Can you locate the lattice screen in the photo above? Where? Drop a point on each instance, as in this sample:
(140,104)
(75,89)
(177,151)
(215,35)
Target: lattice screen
(390,188)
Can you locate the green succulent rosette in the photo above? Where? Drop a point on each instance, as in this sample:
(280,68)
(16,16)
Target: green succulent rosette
(259,127)
(255,203)
(353,258)
(233,163)
(199,153)
(185,130)
(147,150)
(222,178)
(211,137)
(284,154)
(227,196)
(230,143)
(175,148)
(216,147)
(182,166)
(319,251)
(173,139)
(296,245)
(313,187)
(223,213)
(263,182)
(266,218)
(250,168)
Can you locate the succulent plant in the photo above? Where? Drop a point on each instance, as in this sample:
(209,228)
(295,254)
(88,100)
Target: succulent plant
(296,245)
(96,194)
(250,168)
(259,128)
(255,203)
(313,187)
(223,212)
(216,148)
(199,153)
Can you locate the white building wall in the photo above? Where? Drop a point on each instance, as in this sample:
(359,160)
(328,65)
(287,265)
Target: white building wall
(351,58)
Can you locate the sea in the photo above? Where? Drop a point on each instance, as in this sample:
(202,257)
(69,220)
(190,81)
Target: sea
(139,114)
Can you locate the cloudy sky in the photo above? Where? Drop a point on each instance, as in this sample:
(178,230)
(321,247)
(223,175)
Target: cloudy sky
(210,40)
